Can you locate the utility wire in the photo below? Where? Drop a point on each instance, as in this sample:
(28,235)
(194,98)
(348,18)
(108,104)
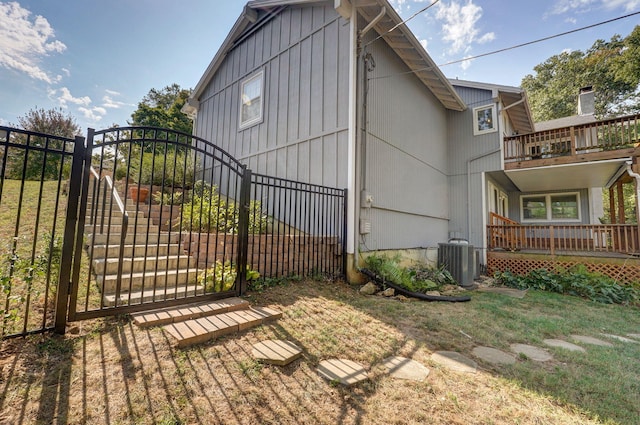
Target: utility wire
(403,22)
(540,39)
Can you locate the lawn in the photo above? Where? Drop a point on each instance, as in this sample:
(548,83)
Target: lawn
(109,371)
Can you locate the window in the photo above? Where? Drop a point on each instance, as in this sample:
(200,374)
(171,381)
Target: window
(551,207)
(251,100)
(484,120)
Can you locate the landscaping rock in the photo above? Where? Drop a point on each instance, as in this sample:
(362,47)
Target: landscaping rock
(531,352)
(493,355)
(620,338)
(369,289)
(389,292)
(403,368)
(276,352)
(636,336)
(433,293)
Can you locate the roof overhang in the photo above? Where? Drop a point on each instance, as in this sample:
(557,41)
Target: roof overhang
(401,40)
(566,177)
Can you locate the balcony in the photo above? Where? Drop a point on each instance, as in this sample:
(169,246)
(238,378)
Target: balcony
(595,141)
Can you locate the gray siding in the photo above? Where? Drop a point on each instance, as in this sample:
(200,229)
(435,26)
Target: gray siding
(304,54)
(406,158)
(478,153)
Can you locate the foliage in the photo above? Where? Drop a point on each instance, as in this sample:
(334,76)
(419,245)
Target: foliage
(222,276)
(162,109)
(629,197)
(415,279)
(610,67)
(576,281)
(208,212)
(53,122)
(260,285)
(173,198)
(172,168)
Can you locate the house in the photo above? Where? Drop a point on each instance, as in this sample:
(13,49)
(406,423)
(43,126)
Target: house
(341,93)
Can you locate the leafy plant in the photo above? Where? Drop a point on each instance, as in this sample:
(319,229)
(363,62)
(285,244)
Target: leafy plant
(173,198)
(222,276)
(416,279)
(577,281)
(174,169)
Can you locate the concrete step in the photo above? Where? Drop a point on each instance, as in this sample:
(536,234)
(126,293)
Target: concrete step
(113,251)
(195,331)
(149,280)
(180,313)
(139,264)
(131,228)
(142,238)
(150,295)
(116,220)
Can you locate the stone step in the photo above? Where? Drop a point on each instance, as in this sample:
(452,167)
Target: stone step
(180,313)
(195,331)
(116,219)
(141,229)
(139,264)
(149,295)
(148,238)
(148,280)
(113,251)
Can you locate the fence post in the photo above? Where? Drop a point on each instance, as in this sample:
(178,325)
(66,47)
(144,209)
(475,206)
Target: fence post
(70,229)
(243,231)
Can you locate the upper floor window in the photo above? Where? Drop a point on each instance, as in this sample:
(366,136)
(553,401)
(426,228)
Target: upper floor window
(251,100)
(484,120)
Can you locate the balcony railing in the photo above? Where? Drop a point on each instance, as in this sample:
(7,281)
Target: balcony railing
(605,135)
(553,239)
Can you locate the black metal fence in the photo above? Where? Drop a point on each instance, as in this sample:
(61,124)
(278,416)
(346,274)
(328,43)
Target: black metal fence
(151,218)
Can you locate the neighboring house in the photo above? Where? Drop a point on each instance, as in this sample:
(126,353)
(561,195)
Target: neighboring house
(342,94)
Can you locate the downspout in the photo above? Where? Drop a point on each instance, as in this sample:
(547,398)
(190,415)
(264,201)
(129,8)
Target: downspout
(352,205)
(636,176)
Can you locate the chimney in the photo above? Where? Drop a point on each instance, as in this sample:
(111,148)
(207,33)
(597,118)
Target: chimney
(586,101)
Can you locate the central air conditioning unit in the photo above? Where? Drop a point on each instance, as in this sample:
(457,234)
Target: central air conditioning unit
(459,259)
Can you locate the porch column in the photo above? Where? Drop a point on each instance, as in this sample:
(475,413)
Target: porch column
(621,215)
(612,206)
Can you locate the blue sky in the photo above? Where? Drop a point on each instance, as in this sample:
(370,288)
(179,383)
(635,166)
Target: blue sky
(97,59)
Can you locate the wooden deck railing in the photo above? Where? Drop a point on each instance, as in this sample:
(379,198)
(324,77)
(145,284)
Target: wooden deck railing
(605,135)
(613,238)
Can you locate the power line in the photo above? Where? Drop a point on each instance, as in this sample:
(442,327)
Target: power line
(403,22)
(539,40)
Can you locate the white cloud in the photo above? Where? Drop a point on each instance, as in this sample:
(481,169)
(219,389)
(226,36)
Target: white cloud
(459,25)
(424,43)
(465,64)
(112,92)
(66,72)
(629,5)
(109,102)
(94,114)
(24,41)
(65,97)
(564,6)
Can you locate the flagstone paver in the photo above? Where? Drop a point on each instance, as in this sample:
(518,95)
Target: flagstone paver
(534,353)
(346,372)
(454,361)
(564,344)
(277,352)
(493,355)
(591,340)
(636,336)
(620,338)
(404,368)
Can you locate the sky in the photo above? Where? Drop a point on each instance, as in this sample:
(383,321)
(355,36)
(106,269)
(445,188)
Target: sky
(97,59)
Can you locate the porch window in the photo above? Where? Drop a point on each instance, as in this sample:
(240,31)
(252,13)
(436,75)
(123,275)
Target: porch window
(551,207)
(484,120)
(251,100)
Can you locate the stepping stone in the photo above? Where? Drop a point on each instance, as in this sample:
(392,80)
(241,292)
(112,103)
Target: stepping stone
(346,372)
(403,368)
(277,352)
(591,340)
(564,344)
(636,336)
(454,361)
(534,353)
(510,292)
(620,338)
(493,355)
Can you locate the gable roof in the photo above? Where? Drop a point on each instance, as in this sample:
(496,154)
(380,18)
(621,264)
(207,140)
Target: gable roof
(401,40)
(514,101)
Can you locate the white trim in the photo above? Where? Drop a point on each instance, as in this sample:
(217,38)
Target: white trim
(351,134)
(253,121)
(547,197)
(494,120)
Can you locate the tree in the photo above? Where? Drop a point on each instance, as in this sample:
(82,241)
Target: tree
(611,67)
(35,164)
(162,108)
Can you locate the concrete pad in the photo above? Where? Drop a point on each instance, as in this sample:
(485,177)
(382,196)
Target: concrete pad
(346,372)
(403,368)
(454,361)
(510,292)
(564,344)
(620,338)
(277,352)
(591,340)
(493,355)
(534,353)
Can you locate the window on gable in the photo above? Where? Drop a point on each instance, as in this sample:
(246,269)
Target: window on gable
(251,100)
(551,207)
(484,120)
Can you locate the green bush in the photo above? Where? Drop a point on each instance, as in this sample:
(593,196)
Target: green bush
(221,277)
(177,169)
(173,198)
(415,279)
(577,281)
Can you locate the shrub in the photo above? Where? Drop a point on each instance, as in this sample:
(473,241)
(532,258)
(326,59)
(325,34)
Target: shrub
(415,279)
(176,169)
(173,198)
(222,276)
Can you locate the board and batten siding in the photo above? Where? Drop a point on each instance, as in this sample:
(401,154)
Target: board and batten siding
(406,157)
(304,54)
(480,154)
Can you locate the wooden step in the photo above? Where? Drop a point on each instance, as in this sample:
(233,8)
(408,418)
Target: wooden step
(168,315)
(117,220)
(199,330)
(149,280)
